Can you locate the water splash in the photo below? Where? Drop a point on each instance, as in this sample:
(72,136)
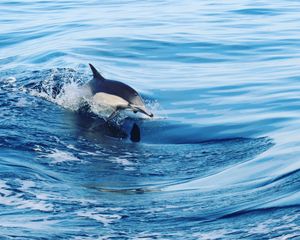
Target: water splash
(66,88)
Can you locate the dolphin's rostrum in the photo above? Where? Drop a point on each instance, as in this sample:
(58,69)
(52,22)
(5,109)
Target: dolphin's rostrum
(117,94)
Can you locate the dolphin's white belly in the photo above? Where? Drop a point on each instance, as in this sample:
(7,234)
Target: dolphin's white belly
(110,100)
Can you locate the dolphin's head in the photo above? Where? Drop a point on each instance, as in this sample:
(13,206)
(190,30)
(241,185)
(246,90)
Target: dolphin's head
(100,84)
(136,102)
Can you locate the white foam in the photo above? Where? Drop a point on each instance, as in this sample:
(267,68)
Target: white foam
(98,215)
(59,156)
(155,108)
(26,184)
(36,205)
(22,102)
(4,188)
(42,196)
(215,234)
(38,148)
(260,228)
(10,80)
(72,147)
(72,96)
(275,225)
(31,223)
(287,236)
(9,198)
(122,161)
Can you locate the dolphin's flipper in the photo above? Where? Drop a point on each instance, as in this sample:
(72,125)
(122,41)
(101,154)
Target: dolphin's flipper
(117,110)
(96,74)
(113,115)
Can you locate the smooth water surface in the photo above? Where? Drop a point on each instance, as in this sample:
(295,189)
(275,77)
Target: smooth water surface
(220,160)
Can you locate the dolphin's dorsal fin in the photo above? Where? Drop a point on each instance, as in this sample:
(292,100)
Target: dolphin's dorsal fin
(96,74)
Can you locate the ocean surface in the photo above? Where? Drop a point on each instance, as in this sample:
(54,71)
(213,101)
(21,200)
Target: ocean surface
(221,157)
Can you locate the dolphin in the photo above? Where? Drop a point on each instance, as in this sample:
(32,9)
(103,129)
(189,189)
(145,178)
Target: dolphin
(116,94)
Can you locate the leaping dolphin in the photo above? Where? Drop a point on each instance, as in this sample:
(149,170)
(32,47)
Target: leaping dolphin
(118,95)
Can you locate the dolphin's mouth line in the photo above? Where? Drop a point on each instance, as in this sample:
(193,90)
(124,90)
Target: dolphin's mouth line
(136,109)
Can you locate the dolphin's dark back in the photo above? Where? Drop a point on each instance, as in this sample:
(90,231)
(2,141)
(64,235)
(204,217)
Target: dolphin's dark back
(116,88)
(100,84)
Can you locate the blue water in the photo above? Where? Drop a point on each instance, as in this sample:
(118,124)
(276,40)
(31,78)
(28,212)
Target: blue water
(220,160)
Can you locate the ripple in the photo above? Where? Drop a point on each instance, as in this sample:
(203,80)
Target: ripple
(222,152)
(258,11)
